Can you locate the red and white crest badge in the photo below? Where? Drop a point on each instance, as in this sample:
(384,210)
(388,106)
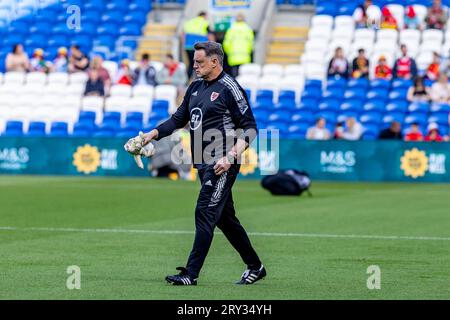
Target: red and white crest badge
(214,96)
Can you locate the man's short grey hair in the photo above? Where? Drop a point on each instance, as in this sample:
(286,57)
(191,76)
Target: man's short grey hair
(211,49)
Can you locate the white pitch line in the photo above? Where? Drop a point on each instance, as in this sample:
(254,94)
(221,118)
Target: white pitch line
(262,234)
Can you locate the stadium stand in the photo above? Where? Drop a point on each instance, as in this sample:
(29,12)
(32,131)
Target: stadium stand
(53,104)
(288,97)
(304,92)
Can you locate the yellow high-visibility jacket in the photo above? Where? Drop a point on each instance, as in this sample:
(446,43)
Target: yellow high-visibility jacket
(238,44)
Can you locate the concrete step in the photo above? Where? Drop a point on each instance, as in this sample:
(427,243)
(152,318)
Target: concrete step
(287,45)
(288,54)
(282,60)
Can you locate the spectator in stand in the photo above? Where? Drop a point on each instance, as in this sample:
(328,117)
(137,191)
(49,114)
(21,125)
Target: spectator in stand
(382,70)
(338,66)
(38,63)
(418,92)
(78,62)
(414,133)
(319,131)
(405,67)
(124,74)
(172,73)
(17,60)
(440,90)
(60,64)
(410,20)
(94,85)
(360,65)
(103,74)
(388,21)
(433,69)
(366,14)
(353,130)
(433,133)
(436,16)
(394,132)
(145,74)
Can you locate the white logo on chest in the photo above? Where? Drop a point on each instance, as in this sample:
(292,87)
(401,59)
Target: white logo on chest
(196,118)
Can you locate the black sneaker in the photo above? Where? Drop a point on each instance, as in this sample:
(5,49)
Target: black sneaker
(251,276)
(182,279)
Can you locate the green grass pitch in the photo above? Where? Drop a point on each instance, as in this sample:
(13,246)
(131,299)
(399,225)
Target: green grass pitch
(47,224)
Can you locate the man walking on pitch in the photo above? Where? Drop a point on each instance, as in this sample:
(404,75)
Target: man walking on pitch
(214,106)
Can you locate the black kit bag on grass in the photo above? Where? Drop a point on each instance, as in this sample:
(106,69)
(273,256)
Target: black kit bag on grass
(289,182)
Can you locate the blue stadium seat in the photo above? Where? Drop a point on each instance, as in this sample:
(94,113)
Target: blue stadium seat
(82,130)
(286,96)
(160,107)
(329,105)
(285,105)
(280,116)
(13,129)
(361,83)
(36,129)
(112,117)
(329,9)
(346,9)
(261,114)
(134,118)
(401,84)
(419,118)
(35,41)
(441,118)
(87,116)
(394,116)
(59,129)
(94,5)
(105,130)
(329,116)
(377,94)
(333,94)
(108,29)
(140,5)
(311,93)
(371,132)
(264,104)
(310,83)
(370,118)
(131,29)
(355,93)
(397,106)
(264,95)
(90,16)
(297,131)
(374,105)
(308,104)
(352,105)
(302,117)
(115,17)
(397,95)
(440,107)
(339,84)
(117,5)
(422,107)
(380,84)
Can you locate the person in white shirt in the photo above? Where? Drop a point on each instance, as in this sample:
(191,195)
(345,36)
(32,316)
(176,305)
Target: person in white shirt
(353,130)
(319,131)
(440,90)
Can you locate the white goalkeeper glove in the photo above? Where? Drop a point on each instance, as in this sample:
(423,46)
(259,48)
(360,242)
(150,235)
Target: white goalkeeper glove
(135,146)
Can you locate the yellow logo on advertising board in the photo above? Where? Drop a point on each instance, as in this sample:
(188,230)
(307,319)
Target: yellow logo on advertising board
(249,161)
(414,163)
(86,159)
